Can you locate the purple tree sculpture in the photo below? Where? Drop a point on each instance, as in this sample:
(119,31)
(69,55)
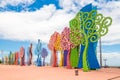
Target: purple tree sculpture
(44,54)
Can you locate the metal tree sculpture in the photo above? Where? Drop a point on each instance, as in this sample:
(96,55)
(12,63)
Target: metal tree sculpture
(22,56)
(44,54)
(38,52)
(52,48)
(13,58)
(57,44)
(65,39)
(75,39)
(10,58)
(6,59)
(91,53)
(16,58)
(93,26)
(66,46)
(28,56)
(75,34)
(58,47)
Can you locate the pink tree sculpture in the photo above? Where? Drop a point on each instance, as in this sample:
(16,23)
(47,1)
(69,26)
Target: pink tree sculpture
(22,56)
(16,58)
(65,43)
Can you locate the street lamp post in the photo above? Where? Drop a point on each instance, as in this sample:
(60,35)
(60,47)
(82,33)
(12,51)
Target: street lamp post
(100,45)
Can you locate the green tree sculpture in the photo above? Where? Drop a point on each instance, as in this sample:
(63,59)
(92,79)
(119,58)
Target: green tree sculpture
(92,26)
(75,36)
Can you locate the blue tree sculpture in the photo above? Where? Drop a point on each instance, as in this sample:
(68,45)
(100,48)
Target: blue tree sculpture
(44,54)
(38,53)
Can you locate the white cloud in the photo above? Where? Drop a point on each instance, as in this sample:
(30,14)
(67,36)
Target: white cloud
(67,5)
(112,58)
(3,3)
(33,25)
(112,9)
(107,9)
(43,22)
(73,5)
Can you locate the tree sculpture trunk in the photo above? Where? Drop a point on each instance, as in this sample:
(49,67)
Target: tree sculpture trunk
(43,61)
(85,62)
(74,57)
(61,59)
(54,64)
(65,57)
(68,60)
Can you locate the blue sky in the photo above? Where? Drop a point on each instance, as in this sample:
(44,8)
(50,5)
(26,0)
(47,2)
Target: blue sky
(33,6)
(24,21)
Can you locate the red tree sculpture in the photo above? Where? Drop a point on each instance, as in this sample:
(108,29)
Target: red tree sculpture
(52,48)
